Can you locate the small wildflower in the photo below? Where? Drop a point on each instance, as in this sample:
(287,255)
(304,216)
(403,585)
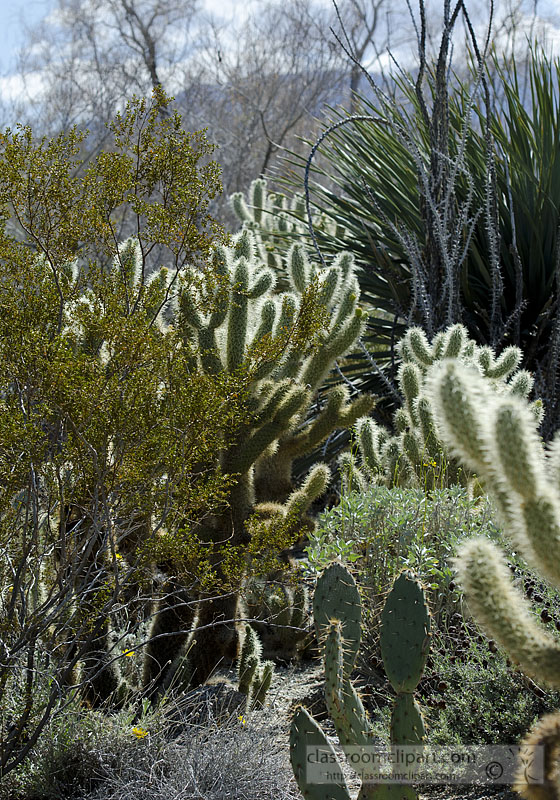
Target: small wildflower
(242,719)
(130,653)
(118,556)
(139,732)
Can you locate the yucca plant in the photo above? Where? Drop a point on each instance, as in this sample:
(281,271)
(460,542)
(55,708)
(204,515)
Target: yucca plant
(484,196)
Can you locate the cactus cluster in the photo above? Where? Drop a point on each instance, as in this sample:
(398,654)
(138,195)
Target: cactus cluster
(237,319)
(415,455)
(276,220)
(279,613)
(495,434)
(255,675)
(404,636)
(245,321)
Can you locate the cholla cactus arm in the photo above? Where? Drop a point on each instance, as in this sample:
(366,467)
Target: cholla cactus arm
(503,612)
(410,380)
(430,441)
(258,195)
(455,341)
(261,684)
(193,321)
(345,263)
(245,454)
(238,313)
(129,262)
(320,363)
(506,364)
(453,391)
(412,447)
(353,479)
(521,384)
(330,283)
(338,413)
(368,438)
(268,318)
(519,448)
(313,487)
(240,208)
(438,345)
(299,268)
(249,659)
(419,346)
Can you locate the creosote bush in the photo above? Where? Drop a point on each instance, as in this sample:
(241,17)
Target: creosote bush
(105,430)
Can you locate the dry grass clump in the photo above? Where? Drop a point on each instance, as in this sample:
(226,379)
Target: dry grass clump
(160,754)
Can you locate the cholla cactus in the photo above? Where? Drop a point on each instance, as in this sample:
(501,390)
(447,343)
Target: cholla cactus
(495,434)
(245,310)
(276,220)
(145,295)
(280,616)
(255,675)
(405,626)
(416,455)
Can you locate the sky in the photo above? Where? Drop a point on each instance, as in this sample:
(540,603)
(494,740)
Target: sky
(15,14)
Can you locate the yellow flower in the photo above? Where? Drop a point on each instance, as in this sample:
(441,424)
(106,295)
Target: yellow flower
(129,653)
(139,732)
(118,556)
(242,719)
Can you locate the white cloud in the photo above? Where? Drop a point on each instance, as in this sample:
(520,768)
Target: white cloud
(16,87)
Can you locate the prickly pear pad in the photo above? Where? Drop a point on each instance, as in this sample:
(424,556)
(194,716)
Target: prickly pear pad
(405,633)
(306,734)
(337,598)
(407,724)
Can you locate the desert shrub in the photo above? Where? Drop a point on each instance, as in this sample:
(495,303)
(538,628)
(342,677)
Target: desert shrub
(474,695)
(384,530)
(104,429)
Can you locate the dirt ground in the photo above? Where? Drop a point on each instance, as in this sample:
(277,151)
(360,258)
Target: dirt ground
(303,684)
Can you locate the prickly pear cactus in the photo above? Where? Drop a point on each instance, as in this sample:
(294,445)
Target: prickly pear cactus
(337,598)
(404,641)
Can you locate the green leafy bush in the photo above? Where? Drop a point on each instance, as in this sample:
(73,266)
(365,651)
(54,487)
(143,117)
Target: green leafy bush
(384,530)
